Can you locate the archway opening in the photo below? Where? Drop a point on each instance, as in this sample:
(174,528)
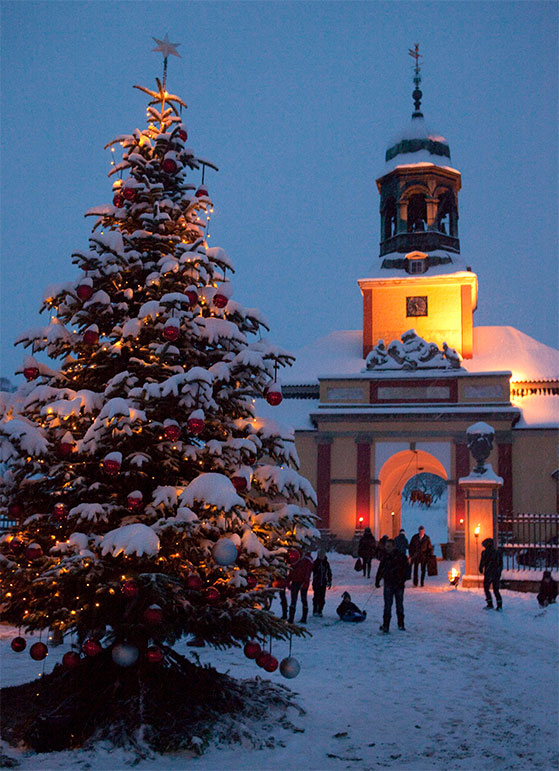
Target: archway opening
(393,515)
(424,502)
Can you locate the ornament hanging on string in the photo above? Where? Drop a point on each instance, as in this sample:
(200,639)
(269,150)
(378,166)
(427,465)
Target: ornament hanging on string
(38,651)
(154,655)
(34,551)
(135,501)
(30,368)
(289,666)
(112,463)
(84,290)
(91,335)
(224,552)
(153,615)
(60,511)
(252,649)
(171,330)
(196,423)
(171,430)
(130,589)
(66,445)
(18,644)
(125,655)
(71,659)
(92,647)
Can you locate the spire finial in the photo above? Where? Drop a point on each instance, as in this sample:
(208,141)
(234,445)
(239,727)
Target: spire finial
(417,93)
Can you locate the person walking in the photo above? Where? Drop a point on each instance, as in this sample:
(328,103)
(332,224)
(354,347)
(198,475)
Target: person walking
(298,580)
(393,568)
(420,551)
(401,542)
(366,550)
(491,565)
(548,590)
(321,580)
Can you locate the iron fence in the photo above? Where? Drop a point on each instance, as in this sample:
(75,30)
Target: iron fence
(529,541)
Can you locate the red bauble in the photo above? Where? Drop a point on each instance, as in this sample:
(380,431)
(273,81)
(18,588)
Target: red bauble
(251,581)
(15,545)
(153,615)
(212,594)
(133,503)
(130,589)
(38,651)
(129,193)
(30,373)
(193,581)
(252,650)
(118,201)
(274,395)
(202,192)
(90,337)
(71,659)
(171,333)
(64,449)
(60,511)
(15,510)
(172,432)
(34,551)
(272,664)
(220,300)
(112,467)
(239,483)
(18,644)
(169,166)
(154,655)
(91,647)
(293,556)
(196,426)
(262,659)
(192,296)
(182,134)
(84,292)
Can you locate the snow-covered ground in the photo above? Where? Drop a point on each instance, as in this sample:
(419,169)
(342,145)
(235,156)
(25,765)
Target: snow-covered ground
(462,688)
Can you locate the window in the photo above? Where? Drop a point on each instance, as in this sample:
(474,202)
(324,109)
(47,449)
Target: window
(416,266)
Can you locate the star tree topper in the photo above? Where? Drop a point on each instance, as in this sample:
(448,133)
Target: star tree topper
(166,47)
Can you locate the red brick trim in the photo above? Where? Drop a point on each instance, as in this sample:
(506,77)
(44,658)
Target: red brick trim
(323,474)
(363,487)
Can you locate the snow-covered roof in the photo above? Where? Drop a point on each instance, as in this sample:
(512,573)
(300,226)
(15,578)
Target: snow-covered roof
(457,266)
(430,146)
(291,413)
(496,349)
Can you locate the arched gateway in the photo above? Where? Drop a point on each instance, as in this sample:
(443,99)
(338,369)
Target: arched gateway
(393,476)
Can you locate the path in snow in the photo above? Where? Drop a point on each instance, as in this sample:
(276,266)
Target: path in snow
(463,688)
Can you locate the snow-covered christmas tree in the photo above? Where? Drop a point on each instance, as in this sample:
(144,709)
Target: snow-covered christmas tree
(152,502)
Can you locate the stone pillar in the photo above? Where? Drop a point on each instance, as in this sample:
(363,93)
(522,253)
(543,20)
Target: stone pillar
(323,476)
(481,498)
(363,487)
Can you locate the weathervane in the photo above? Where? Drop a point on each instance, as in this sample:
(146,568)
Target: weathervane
(417,94)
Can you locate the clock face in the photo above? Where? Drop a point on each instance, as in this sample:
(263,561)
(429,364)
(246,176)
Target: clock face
(416,306)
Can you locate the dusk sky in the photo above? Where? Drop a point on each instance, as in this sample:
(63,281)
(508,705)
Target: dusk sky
(296,103)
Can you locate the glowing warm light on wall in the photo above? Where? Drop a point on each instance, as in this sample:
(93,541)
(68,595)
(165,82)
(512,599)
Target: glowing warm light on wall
(477,528)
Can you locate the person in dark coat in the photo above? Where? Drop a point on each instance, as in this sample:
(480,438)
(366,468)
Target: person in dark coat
(548,590)
(298,580)
(491,565)
(366,550)
(348,610)
(380,547)
(420,551)
(321,580)
(393,568)
(401,542)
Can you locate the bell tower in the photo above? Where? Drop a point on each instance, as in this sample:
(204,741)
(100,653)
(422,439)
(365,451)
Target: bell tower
(420,280)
